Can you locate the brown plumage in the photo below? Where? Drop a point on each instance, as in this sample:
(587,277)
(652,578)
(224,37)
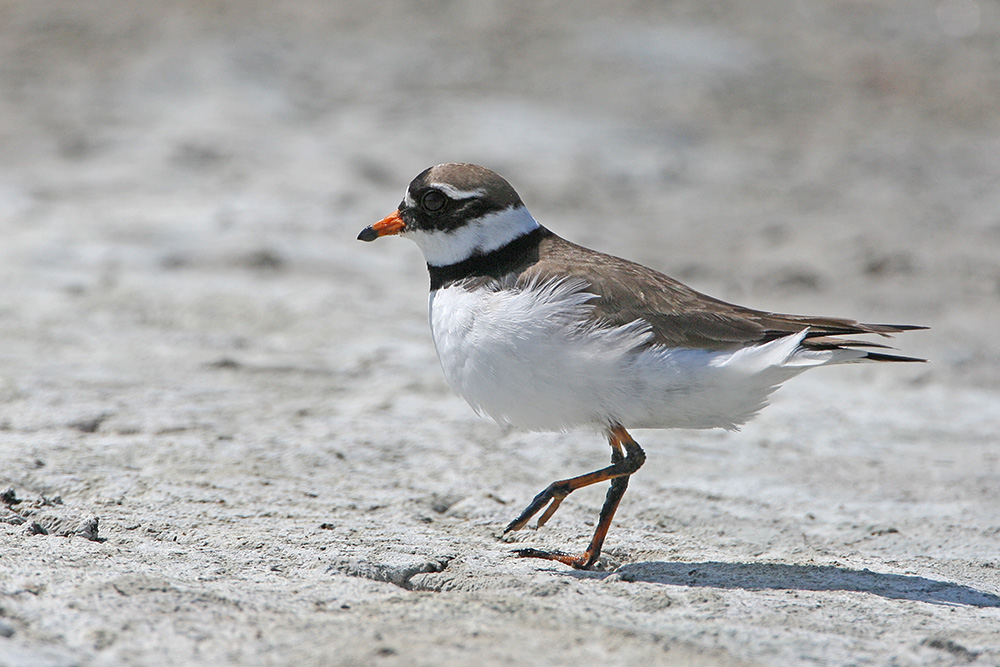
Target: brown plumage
(678,315)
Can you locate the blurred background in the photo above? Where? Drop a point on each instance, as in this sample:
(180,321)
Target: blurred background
(196,351)
(201,168)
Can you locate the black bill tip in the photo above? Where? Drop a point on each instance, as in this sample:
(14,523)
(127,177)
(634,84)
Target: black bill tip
(368,234)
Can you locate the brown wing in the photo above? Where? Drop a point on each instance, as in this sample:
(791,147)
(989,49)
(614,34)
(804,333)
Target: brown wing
(682,317)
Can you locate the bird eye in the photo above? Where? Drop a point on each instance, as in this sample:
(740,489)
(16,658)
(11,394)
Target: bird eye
(433,200)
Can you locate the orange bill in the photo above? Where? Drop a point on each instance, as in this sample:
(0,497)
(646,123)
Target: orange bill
(387,226)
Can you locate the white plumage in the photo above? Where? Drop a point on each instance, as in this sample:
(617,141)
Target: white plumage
(532,356)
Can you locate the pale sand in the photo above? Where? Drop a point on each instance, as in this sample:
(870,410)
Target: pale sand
(195,351)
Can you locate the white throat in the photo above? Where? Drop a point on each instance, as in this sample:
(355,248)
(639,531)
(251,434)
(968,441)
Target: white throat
(479,236)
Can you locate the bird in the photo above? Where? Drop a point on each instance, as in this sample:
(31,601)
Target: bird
(546,335)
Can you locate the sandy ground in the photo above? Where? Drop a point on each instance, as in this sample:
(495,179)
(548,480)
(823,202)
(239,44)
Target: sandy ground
(224,435)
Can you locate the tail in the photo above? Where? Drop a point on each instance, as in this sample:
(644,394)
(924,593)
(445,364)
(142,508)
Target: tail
(877,356)
(828,340)
(750,374)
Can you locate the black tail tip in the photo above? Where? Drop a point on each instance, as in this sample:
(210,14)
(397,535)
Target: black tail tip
(880,356)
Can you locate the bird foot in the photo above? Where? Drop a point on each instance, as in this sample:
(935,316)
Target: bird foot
(585,561)
(552,496)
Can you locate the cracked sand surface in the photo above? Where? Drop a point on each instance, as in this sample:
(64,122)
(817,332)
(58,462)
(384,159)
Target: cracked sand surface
(241,405)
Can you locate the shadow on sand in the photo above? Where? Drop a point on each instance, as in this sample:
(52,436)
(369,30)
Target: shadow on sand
(778,576)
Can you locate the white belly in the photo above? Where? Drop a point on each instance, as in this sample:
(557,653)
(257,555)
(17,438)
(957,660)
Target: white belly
(532,358)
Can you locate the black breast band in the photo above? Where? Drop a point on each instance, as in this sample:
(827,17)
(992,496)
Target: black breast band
(520,252)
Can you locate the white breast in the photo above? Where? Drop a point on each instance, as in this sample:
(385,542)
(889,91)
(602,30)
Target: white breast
(532,357)
(524,356)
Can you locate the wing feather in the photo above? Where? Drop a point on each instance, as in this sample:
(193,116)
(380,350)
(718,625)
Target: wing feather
(679,316)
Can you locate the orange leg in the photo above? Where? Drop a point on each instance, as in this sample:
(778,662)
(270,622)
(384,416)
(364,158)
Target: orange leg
(623,464)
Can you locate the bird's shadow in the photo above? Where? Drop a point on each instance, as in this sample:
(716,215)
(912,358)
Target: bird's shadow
(780,576)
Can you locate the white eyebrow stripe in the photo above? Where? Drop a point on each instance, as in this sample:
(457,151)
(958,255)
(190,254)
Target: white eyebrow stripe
(408,200)
(455,193)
